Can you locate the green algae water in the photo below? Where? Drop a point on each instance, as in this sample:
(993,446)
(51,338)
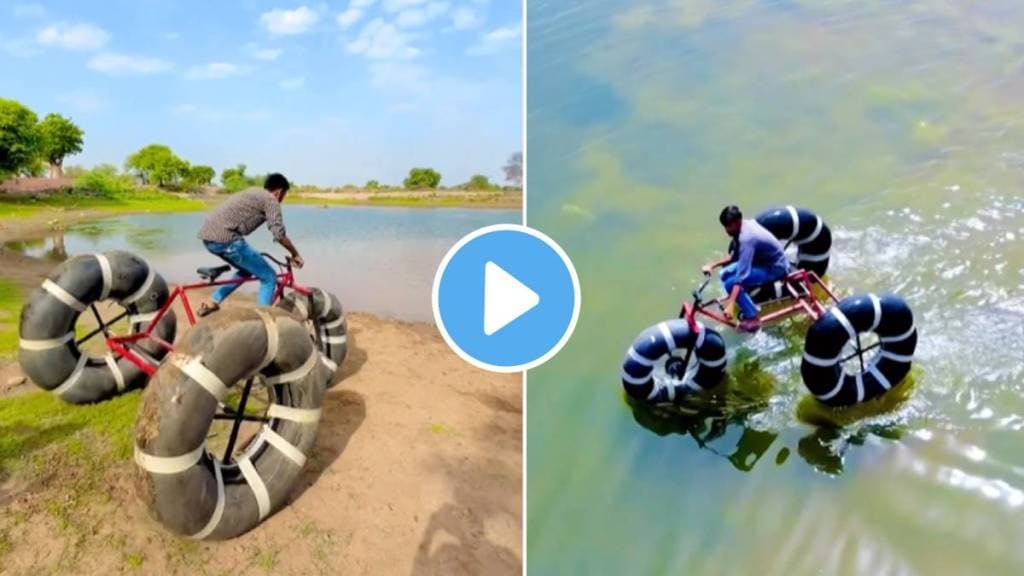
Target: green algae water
(902,125)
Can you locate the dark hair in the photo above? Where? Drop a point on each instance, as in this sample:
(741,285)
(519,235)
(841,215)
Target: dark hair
(276,181)
(729,215)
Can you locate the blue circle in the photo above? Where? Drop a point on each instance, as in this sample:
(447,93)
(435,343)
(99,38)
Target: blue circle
(524,254)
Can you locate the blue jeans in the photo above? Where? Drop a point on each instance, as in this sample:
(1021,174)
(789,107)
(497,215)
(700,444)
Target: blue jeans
(757,277)
(249,263)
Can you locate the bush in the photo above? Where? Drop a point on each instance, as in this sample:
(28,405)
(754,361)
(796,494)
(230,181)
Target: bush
(103,180)
(422,178)
(235,179)
(479,182)
(372,185)
(200,175)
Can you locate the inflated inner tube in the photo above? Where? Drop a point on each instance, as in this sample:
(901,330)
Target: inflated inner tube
(333,327)
(194,493)
(47,348)
(806,231)
(654,368)
(833,338)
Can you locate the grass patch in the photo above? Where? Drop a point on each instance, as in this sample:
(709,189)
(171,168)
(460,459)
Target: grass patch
(10,307)
(38,425)
(138,200)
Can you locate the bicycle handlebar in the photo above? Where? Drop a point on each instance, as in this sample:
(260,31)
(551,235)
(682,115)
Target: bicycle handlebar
(286,264)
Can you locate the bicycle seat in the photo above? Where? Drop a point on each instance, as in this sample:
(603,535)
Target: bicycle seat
(210,273)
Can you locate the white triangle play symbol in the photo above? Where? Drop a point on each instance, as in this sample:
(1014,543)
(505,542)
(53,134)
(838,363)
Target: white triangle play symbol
(505,298)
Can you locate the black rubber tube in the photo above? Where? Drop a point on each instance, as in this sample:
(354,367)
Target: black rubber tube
(889,318)
(330,317)
(647,370)
(186,489)
(47,351)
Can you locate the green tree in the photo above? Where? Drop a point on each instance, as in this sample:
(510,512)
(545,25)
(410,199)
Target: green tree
(479,182)
(422,178)
(19,138)
(58,138)
(157,164)
(200,175)
(234,179)
(514,169)
(372,185)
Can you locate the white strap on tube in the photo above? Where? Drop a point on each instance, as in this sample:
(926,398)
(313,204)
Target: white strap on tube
(259,489)
(272,337)
(299,415)
(73,378)
(333,323)
(36,345)
(150,275)
(108,276)
(218,510)
(328,362)
(116,371)
(168,464)
(63,295)
(284,446)
(296,374)
(193,368)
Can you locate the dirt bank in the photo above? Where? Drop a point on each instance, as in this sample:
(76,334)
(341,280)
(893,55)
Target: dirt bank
(417,470)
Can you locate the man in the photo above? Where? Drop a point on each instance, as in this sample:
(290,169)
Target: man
(224,231)
(755,257)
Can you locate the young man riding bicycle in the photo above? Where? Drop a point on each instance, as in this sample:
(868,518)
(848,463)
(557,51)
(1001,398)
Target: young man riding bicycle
(224,231)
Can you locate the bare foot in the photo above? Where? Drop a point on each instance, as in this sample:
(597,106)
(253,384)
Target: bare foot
(207,308)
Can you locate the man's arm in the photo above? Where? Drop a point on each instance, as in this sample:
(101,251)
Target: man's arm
(275,223)
(709,267)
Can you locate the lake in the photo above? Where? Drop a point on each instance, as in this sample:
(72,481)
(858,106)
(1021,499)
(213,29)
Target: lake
(377,260)
(902,125)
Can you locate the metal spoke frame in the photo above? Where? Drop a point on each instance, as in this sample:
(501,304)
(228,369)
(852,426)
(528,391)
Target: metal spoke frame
(238,417)
(103,326)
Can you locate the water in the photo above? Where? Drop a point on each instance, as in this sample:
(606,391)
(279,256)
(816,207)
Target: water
(378,260)
(902,124)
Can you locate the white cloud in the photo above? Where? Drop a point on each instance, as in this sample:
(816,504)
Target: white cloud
(285,22)
(84,100)
(349,17)
(380,40)
(496,40)
(73,36)
(260,53)
(398,5)
(28,11)
(292,83)
(215,71)
(416,17)
(125,64)
(466,18)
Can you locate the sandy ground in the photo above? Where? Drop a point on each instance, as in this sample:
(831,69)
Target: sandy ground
(417,470)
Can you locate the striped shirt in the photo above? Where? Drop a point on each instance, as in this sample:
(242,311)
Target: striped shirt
(242,214)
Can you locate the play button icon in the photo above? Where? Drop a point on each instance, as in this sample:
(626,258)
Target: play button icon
(506,298)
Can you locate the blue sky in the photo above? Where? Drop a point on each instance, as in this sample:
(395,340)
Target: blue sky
(326,92)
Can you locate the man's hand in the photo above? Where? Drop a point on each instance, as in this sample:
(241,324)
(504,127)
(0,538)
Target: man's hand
(298,261)
(706,269)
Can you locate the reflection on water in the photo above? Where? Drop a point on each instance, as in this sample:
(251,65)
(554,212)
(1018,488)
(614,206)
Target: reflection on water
(899,123)
(378,260)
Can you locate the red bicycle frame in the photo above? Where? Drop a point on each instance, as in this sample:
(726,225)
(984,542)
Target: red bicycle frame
(122,345)
(804,300)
